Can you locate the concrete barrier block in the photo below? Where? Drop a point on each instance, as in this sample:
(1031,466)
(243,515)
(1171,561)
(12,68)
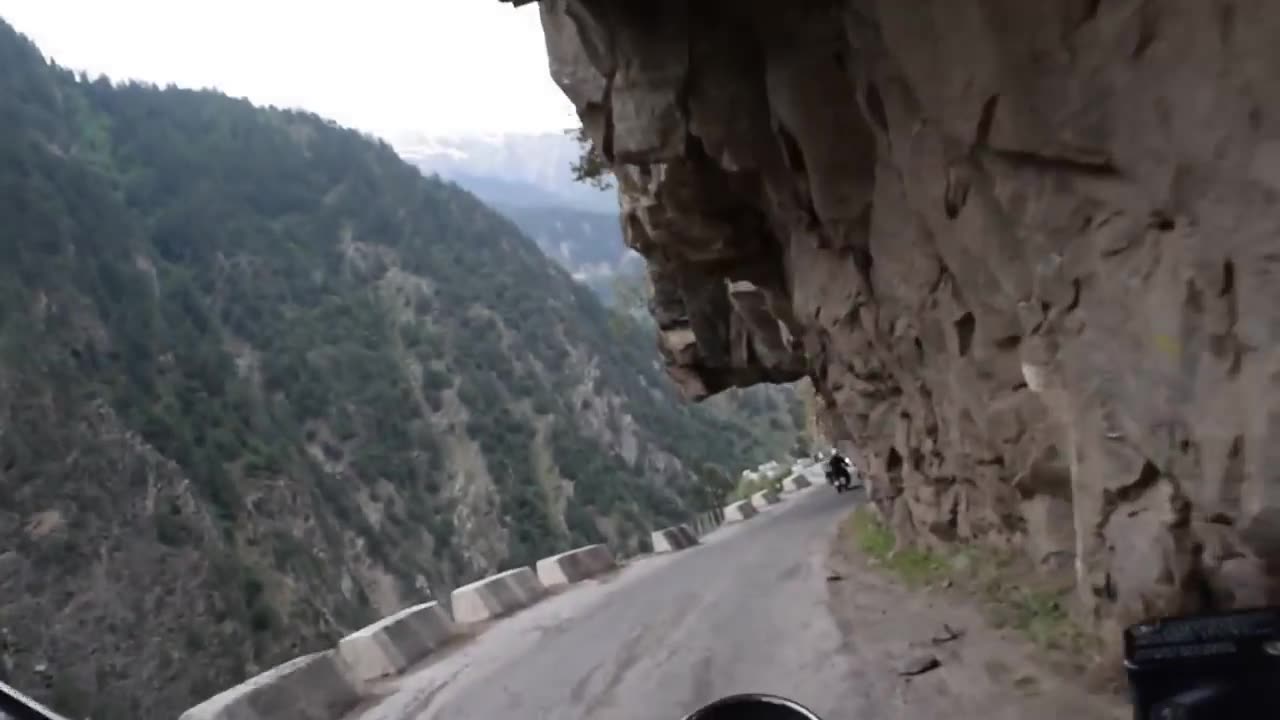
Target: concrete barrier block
(764,499)
(796,483)
(30,707)
(394,643)
(739,511)
(320,686)
(497,595)
(704,523)
(684,536)
(575,565)
(674,538)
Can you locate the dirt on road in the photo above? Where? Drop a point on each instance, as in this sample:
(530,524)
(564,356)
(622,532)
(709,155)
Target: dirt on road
(925,647)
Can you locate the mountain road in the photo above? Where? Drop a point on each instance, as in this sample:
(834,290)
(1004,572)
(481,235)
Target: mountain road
(777,604)
(743,611)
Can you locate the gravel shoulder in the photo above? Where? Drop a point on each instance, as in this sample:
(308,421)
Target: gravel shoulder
(982,672)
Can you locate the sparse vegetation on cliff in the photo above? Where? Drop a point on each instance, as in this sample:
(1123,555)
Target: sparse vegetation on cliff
(592,167)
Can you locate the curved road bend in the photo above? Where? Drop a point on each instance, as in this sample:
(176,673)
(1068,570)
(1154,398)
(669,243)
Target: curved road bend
(745,611)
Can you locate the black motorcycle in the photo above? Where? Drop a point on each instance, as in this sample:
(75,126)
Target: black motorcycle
(838,474)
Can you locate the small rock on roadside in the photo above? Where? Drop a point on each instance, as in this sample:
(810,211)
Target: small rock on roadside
(919,665)
(946,634)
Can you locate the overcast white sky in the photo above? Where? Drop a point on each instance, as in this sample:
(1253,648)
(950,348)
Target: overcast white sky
(385,66)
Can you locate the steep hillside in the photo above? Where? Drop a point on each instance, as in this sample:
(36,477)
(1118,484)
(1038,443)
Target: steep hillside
(261,382)
(529,178)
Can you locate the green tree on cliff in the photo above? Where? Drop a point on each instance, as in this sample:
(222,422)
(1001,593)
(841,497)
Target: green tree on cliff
(591,166)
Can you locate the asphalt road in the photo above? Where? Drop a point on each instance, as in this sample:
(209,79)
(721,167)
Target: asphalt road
(746,611)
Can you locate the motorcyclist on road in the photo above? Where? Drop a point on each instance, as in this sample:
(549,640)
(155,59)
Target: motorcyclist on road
(838,470)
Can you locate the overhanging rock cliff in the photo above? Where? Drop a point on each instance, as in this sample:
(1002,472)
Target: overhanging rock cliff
(1027,252)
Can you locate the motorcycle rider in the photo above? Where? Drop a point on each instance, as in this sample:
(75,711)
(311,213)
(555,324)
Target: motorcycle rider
(838,471)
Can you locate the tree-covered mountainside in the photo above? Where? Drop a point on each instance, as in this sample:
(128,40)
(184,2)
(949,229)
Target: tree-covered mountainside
(261,383)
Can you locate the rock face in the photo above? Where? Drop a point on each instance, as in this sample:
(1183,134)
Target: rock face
(1027,253)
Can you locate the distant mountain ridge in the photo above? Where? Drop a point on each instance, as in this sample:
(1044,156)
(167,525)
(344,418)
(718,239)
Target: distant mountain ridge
(498,168)
(528,178)
(503,193)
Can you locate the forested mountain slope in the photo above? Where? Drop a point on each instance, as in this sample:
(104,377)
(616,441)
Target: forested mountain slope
(261,383)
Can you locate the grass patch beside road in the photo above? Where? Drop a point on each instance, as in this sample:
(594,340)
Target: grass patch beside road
(1011,592)
(913,566)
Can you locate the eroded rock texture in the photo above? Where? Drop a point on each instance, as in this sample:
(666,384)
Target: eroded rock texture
(1027,252)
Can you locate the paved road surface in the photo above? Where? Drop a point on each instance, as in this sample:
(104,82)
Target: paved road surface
(745,611)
